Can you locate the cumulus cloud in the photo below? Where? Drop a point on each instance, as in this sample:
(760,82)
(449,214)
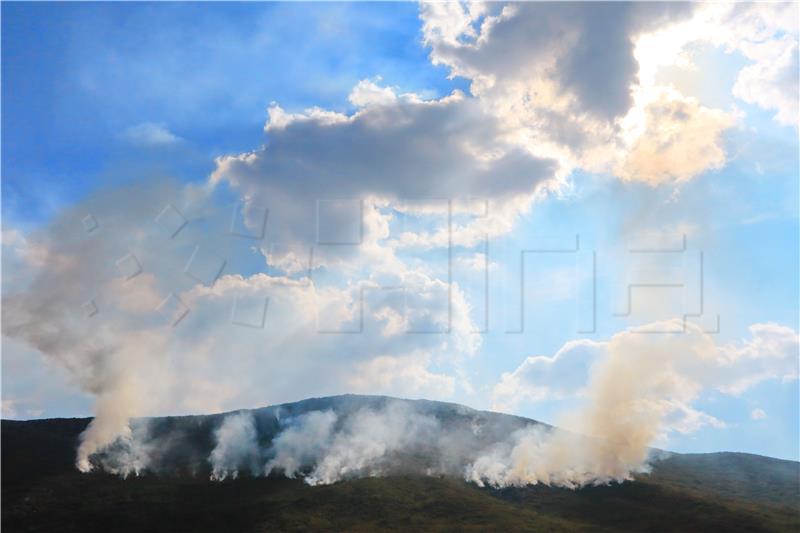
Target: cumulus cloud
(541,377)
(679,140)
(404,148)
(410,374)
(368,92)
(542,103)
(535,43)
(535,67)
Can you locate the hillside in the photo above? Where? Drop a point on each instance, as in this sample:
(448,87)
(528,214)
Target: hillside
(41,490)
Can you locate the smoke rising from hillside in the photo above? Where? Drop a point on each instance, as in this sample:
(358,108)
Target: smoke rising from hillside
(640,381)
(641,387)
(322,448)
(237,447)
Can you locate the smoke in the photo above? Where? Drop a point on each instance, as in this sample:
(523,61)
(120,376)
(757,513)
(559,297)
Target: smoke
(369,440)
(86,293)
(323,447)
(641,387)
(302,443)
(130,453)
(237,447)
(559,458)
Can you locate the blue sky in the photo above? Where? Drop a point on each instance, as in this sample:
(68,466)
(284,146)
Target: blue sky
(166,101)
(77,75)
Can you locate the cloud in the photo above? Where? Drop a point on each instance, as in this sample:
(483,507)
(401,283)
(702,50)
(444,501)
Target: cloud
(367,93)
(505,45)
(404,148)
(680,139)
(772,352)
(340,300)
(758,414)
(565,374)
(764,33)
(535,67)
(767,35)
(150,134)
(409,374)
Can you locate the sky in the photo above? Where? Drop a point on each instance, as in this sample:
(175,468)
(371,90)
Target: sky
(517,207)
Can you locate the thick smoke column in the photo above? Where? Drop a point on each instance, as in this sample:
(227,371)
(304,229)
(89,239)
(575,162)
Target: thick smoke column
(640,381)
(88,300)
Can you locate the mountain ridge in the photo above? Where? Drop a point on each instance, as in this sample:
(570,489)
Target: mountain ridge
(684,492)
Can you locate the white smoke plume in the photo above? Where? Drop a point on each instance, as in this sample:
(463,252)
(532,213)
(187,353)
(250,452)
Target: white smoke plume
(302,443)
(67,268)
(237,447)
(322,448)
(559,458)
(367,442)
(90,291)
(130,454)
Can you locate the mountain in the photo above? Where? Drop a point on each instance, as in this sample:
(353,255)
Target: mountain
(42,490)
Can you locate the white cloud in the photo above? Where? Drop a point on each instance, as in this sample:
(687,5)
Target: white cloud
(150,134)
(406,147)
(679,139)
(565,374)
(758,414)
(534,66)
(401,376)
(367,93)
(765,33)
